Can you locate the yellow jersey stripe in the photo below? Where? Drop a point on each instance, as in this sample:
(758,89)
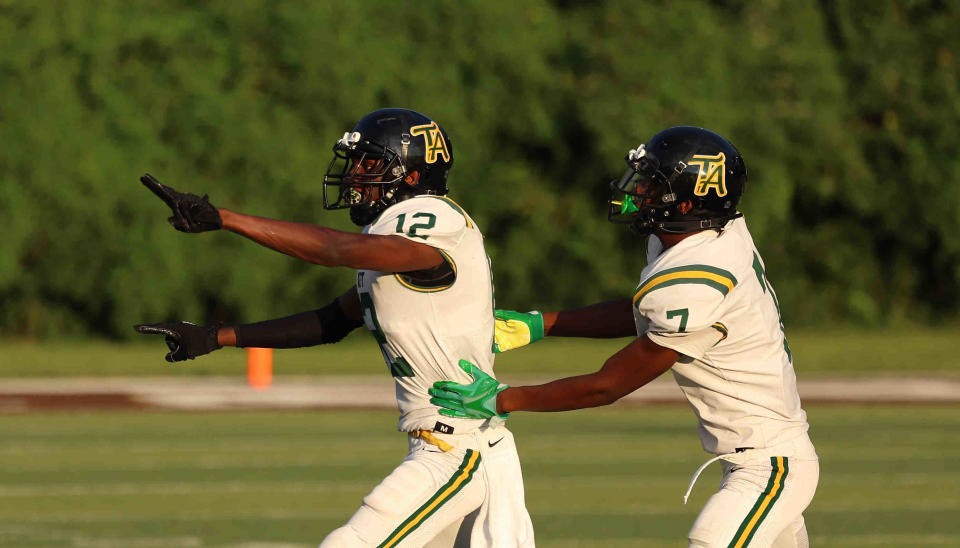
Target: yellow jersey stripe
(720,282)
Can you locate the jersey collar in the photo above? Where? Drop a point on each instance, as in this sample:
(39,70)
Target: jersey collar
(655,246)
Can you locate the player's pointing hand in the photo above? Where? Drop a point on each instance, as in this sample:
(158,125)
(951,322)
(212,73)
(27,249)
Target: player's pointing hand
(185,340)
(191,213)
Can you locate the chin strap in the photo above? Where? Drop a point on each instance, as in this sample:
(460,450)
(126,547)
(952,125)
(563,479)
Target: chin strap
(367,212)
(694,225)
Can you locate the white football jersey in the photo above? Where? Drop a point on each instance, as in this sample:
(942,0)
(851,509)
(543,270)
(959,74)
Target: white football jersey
(709,299)
(427,321)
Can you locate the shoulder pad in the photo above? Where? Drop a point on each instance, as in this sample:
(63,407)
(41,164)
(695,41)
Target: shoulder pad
(683,299)
(435,221)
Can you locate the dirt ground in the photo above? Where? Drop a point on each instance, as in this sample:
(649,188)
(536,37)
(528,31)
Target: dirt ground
(293,392)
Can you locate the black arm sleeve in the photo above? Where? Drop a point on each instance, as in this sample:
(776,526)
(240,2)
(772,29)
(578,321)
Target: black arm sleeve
(325,325)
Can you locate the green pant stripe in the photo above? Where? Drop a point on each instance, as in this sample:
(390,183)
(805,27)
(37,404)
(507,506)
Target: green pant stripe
(766,500)
(463,475)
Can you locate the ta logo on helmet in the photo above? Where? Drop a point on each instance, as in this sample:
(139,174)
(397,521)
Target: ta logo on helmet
(436,144)
(712,171)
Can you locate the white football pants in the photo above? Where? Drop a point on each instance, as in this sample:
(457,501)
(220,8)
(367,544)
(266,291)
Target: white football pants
(761,499)
(477,484)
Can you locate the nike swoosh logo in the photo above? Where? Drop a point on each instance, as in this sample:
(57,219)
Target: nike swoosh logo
(492,443)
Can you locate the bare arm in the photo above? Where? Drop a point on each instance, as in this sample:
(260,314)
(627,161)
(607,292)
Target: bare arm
(632,367)
(609,320)
(330,247)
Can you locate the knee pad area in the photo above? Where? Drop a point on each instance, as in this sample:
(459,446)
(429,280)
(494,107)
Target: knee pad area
(344,537)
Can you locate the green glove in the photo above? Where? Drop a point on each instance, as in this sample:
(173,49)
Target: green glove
(514,329)
(477,400)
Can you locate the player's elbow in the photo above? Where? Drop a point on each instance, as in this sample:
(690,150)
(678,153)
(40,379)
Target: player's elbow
(606,391)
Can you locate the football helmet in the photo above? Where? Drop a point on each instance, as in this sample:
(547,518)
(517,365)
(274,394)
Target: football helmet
(390,155)
(685,179)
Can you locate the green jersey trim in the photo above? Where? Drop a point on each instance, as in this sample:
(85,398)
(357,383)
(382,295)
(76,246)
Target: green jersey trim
(722,329)
(717,278)
(406,281)
(456,207)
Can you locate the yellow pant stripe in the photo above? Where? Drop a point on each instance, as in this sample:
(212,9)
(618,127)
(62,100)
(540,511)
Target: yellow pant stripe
(459,479)
(760,510)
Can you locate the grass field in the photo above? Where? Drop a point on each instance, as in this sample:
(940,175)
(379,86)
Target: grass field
(598,478)
(816,352)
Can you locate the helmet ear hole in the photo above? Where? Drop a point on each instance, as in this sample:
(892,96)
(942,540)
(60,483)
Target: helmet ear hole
(412,179)
(684,207)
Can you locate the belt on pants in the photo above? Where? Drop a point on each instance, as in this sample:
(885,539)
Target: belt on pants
(428,437)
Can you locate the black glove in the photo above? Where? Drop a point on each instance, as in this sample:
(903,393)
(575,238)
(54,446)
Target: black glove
(185,340)
(191,213)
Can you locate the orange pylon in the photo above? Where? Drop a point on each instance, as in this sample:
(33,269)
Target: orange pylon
(260,367)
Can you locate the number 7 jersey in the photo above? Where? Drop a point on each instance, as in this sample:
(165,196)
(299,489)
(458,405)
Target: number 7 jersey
(709,299)
(428,320)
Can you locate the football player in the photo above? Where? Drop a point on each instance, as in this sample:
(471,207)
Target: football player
(705,309)
(424,290)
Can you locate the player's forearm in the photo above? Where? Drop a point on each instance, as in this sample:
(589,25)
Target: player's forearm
(315,244)
(561,395)
(329,247)
(631,367)
(608,320)
(226,336)
(323,326)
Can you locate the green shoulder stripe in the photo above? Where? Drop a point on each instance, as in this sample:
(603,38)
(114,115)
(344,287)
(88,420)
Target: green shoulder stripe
(717,278)
(456,207)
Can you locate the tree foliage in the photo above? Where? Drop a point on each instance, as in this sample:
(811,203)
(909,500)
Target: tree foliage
(847,115)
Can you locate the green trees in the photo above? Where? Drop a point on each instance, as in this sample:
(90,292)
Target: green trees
(847,116)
